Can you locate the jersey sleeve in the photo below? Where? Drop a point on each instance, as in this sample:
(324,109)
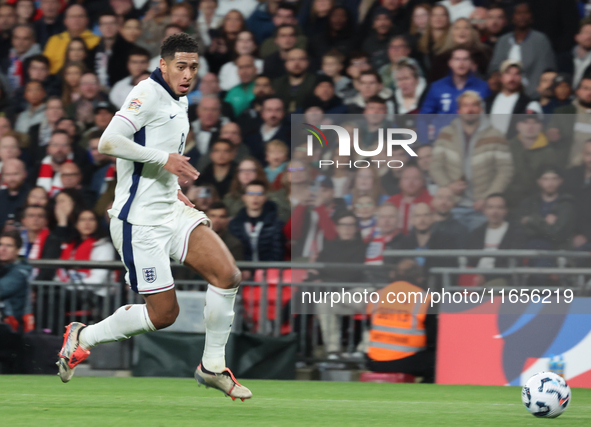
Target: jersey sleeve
(139,106)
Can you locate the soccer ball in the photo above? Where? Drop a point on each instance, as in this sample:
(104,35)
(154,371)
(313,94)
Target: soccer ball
(546,395)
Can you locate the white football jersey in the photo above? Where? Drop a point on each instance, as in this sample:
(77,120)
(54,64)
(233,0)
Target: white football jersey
(145,192)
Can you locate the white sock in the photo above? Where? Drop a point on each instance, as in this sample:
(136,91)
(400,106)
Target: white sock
(121,325)
(218,314)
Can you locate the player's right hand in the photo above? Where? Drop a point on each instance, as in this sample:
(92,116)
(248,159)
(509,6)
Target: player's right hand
(180,166)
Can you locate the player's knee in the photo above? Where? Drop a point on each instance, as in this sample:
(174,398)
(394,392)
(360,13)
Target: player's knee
(228,279)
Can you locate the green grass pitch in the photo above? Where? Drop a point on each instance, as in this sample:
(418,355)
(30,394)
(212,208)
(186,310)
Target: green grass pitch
(44,401)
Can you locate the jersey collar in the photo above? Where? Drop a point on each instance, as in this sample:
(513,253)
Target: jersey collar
(157,77)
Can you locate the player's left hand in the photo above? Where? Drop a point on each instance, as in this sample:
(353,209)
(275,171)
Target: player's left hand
(185,199)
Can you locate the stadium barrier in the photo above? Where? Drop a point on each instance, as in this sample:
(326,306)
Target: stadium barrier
(262,307)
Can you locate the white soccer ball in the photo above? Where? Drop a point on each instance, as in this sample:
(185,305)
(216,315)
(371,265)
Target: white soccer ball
(546,395)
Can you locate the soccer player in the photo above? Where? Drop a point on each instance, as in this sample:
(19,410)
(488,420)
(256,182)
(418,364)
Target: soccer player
(153,221)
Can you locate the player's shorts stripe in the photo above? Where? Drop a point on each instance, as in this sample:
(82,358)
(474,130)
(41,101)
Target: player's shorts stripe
(128,255)
(140,138)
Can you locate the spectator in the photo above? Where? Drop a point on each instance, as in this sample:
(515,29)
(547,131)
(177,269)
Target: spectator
(332,66)
(209,84)
(8,20)
(71,75)
(458,8)
(366,183)
(9,148)
(444,200)
(59,151)
(76,22)
(365,211)
(78,52)
(249,169)
(89,244)
(285,15)
(35,112)
(12,198)
(548,218)
(416,324)
(51,22)
(207,126)
(71,177)
(421,15)
(578,178)
(391,179)
(103,114)
(285,39)
(461,34)
(257,225)
(410,88)
(242,94)
(495,25)
(494,235)
(511,100)
(37,196)
(112,52)
(209,20)
(530,151)
(561,93)
(229,75)
(262,90)
(545,89)
(202,196)
(431,42)
(37,68)
(221,47)
(337,35)
(294,88)
(358,63)
(425,235)
(103,166)
(577,61)
(5,126)
(245,8)
(137,63)
(40,134)
(442,95)
(324,97)
(569,126)
(376,42)
(276,155)
(15,291)
(272,126)
(90,95)
(412,192)
(220,220)
(348,248)
(154,23)
(370,86)
(231,132)
(23,48)
(385,235)
(222,168)
(131,30)
(456,164)
(524,44)
(424,156)
(34,233)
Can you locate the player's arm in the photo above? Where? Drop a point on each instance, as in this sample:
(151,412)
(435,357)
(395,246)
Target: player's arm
(117,140)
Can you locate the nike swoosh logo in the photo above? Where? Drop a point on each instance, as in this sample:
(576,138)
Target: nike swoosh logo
(172,117)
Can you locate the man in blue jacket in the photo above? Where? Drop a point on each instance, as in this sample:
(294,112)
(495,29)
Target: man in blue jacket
(443,94)
(14,279)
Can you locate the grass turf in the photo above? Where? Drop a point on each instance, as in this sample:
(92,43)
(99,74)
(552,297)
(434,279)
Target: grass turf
(33,401)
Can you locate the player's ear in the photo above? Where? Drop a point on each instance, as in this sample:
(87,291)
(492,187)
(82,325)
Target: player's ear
(163,65)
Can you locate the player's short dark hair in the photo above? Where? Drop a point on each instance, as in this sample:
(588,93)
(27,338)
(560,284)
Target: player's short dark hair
(218,205)
(223,141)
(39,58)
(139,51)
(256,182)
(15,236)
(180,42)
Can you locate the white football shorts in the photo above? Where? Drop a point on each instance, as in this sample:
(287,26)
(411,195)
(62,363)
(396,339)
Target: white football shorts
(146,250)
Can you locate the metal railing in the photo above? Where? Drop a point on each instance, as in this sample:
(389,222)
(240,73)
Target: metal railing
(57,303)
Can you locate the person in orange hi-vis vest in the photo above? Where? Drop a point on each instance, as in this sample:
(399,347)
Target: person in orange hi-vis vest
(403,330)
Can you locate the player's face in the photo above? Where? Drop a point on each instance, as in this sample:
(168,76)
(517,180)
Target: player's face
(180,71)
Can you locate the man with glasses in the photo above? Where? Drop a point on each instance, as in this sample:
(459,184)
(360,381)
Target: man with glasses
(23,47)
(271,126)
(285,39)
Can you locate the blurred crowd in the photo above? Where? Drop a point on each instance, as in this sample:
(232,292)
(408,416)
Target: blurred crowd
(499,92)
